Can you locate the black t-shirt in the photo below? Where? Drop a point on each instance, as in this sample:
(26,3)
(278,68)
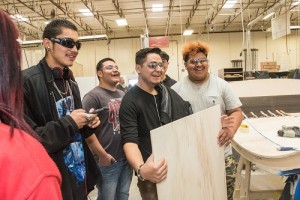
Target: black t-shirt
(138,116)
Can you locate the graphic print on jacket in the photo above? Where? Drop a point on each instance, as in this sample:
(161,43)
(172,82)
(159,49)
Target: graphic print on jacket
(73,153)
(114,106)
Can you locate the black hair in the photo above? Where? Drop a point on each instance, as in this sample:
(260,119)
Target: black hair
(164,55)
(100,63)
(54,28)
(141,55)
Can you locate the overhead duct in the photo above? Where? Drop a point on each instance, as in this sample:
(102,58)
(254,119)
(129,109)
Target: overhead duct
(249,64)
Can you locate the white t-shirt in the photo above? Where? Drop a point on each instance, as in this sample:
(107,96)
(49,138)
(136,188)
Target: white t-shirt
(201,96)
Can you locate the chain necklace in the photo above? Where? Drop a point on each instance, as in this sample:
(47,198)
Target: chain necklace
(64,96)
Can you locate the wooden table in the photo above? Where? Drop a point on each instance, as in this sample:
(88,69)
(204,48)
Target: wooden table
(258,145)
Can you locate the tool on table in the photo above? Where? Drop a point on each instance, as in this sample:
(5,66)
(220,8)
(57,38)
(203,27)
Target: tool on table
(286,148)
(289,131)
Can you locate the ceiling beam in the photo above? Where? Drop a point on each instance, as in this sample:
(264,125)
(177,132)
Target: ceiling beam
(100,19)
(230,20)
(145,13)
(66,10)
(170,9)
(120,12)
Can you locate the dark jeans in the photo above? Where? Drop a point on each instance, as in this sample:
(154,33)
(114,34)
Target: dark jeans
(147,190)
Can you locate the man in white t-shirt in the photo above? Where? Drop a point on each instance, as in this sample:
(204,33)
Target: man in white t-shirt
(204,90)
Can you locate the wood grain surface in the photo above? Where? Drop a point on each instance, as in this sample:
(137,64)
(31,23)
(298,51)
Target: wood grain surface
(196,168)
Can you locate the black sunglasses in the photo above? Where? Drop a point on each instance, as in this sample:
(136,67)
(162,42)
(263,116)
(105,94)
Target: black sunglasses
(67,42)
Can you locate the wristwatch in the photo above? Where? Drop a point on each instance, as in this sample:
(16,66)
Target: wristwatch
(138,172)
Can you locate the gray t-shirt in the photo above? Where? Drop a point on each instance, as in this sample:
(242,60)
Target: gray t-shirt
(212,92)
(108,132)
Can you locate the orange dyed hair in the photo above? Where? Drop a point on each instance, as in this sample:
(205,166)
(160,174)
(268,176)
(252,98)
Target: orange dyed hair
(192,48)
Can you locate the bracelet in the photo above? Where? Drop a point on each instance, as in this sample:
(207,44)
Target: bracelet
(138,173)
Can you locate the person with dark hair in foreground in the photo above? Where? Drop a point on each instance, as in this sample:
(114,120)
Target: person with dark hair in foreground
(26,170)
(146,106)
(53,109)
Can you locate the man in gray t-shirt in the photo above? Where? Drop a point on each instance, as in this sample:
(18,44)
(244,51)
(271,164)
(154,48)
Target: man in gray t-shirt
(116,172)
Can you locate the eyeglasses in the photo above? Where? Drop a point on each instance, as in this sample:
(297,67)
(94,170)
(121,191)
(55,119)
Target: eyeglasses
(153,65)
(200,60)
(67,42)
(110,67)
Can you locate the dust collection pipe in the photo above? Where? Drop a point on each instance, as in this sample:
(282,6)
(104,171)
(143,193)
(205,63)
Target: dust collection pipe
(253,22)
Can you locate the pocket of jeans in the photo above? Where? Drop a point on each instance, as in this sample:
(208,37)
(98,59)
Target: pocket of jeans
(112,163)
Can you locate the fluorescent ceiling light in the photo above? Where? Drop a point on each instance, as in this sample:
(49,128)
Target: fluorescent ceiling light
(92,37)
(157,7)
(30,41)
(88,37)
(294,27)
(188,32)
(86,12)
(122,22)
(268,15)
(19,17)
(229,3)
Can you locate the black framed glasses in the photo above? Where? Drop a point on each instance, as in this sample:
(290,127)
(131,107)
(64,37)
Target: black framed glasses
(200,60)
(67,42)
(153,65)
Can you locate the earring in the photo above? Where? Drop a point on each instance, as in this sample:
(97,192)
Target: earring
(48,48)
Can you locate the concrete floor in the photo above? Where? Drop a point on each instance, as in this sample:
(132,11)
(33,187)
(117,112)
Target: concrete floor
(134,193)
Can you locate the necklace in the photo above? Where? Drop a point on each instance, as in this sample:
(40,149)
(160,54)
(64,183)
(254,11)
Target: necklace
(64,95)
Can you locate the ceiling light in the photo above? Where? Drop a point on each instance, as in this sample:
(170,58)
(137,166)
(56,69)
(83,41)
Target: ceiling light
(294,27)
(93,37)
(19,17)
(268,15)
(81,38)
(229,3)
(188,32)
(86,12)
(30,41)
(122,22)
(157,7)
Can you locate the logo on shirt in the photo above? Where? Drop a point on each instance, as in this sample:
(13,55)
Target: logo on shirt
(114,107)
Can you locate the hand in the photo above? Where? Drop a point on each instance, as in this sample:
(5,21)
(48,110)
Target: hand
(227,121)
(225,136)
(106,160)
(154,172)
(80,117)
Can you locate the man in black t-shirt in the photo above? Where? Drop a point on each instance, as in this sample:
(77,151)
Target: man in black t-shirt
(165,79)
(147,106)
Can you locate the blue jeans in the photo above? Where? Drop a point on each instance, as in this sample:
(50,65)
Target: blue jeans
(116,180)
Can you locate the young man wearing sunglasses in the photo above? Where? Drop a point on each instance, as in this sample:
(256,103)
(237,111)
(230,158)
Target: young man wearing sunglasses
(53,109)
(146,106)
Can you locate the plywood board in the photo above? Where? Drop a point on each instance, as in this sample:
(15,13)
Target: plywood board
(196,167)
